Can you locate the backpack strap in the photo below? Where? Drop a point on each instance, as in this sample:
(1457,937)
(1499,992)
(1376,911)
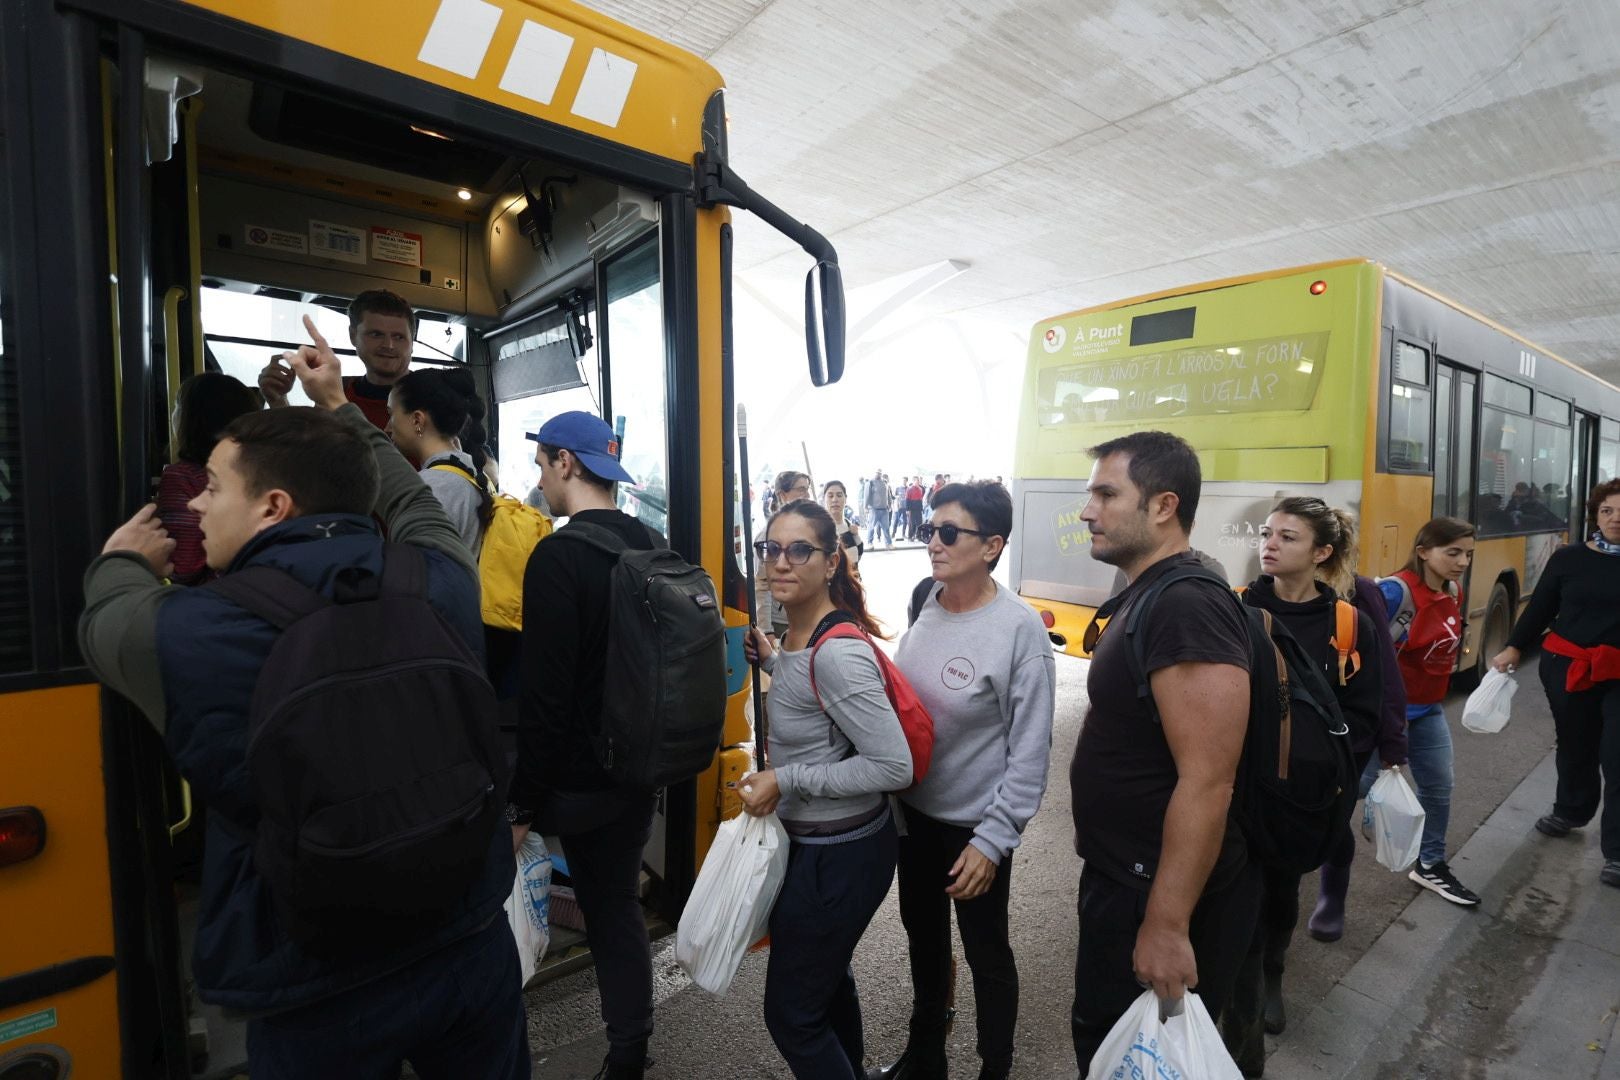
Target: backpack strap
(919,597)
(459,469)
(1344,639)
(834,627)
(1137,652)
(270,593)
(603,538)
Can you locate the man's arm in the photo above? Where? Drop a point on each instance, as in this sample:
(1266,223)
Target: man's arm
(1204,709)
(122,591)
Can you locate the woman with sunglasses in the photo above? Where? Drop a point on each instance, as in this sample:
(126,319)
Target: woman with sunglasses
(836,749)
(979,659)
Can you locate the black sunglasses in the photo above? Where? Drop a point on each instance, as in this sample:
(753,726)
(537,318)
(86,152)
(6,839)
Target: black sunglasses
(798,552)
(947,533)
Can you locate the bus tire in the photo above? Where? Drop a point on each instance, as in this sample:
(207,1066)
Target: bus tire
(1493,635)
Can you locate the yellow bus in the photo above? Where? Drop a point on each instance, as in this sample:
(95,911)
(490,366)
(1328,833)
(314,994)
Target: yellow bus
(179,183)
(1343,380)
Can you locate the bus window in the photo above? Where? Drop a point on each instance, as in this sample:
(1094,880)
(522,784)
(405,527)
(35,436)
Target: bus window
(1409,412)
(1523,462)
(16,652)
(1608,463)
(636,384)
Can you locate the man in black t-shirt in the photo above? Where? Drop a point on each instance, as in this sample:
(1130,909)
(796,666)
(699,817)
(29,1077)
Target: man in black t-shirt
(558,785)
(1167,898)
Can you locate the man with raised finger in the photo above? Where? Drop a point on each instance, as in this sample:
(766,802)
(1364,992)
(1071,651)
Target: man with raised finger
(382,329)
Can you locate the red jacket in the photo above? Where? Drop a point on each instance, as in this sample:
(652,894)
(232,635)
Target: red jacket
(1429,651)
(914,493)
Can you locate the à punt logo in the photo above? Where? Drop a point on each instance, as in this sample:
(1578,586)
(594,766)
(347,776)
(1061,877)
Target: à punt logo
(1055,337)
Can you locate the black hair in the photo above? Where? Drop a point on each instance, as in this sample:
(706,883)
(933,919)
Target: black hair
(839,484)
(584,470)
(1600,494)
(325,465)
(1437,532)
(988,503)
(844,588)
(1160,462)
(380,302)
(450,399)
(208,403)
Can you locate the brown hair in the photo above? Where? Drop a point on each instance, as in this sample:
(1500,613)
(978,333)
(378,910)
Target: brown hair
(325,465)
(1330,527)
(1437,532)
(380,302)
(845,591)
(1604,491)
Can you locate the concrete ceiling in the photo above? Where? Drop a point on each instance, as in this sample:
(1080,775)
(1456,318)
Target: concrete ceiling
(1079,151)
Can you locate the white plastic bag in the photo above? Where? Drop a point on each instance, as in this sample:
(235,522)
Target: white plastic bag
(1490,703)
(1397,820)
(731,901)
(1144,1043)
(528,909)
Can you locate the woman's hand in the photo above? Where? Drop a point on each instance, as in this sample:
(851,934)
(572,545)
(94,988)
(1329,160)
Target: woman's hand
(973,873)
(1506,660)
(757,646)
(759,791)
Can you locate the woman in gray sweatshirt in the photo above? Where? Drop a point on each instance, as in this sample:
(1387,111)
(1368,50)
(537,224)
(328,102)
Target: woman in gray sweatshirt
(831,762)
(980,660)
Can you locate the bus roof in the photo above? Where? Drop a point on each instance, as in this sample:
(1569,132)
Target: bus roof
(552,59)
(1266,275)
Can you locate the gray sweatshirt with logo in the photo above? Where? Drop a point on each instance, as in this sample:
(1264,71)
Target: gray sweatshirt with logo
(835,765)
(988,679)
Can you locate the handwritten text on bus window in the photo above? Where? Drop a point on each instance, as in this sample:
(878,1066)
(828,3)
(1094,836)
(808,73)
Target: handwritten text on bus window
(1276,374)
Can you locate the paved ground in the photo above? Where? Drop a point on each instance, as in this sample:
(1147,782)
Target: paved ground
(700,1036)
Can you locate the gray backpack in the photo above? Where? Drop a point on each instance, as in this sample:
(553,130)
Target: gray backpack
(664,699)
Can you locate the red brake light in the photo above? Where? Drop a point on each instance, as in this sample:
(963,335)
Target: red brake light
(1048,619)
(22,834)
(1318,288)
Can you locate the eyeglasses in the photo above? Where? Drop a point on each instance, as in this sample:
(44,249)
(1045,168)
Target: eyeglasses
(947,533)
(798,552)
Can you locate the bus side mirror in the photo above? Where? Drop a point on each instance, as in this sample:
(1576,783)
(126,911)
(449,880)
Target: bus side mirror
(824,322)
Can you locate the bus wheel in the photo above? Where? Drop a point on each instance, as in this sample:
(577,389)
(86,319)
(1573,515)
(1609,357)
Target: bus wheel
(1493,636)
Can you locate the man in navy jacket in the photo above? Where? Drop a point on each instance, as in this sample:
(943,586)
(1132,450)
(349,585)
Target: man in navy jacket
(296,489)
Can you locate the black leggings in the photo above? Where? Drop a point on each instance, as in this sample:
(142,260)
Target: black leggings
(927,852)
(1587,723)
(1344,848)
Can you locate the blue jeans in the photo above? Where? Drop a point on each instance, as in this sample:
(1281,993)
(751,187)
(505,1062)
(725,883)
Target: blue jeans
(879,526)
(454,1015)
(1428,755)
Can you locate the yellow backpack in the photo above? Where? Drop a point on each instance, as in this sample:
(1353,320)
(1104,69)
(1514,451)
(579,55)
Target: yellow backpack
(514,528)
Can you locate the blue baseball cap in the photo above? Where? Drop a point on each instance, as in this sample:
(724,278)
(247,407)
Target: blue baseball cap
(587,437)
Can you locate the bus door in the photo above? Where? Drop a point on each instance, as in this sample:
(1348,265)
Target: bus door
(1456,394)
(1582,468)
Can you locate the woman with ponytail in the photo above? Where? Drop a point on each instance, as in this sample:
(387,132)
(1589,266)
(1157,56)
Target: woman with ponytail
(1307,563)
(433,415)
(836,750)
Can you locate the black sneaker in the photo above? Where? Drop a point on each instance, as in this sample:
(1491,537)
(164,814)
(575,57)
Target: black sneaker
(1610,874)
(1553,825)
(1439,878)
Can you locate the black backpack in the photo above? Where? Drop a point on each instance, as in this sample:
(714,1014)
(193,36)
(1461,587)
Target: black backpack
(919,597)
(664,699)
(372,755)
(1296,780)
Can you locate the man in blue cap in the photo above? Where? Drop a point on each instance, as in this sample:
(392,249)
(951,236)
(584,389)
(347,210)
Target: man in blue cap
(559,786)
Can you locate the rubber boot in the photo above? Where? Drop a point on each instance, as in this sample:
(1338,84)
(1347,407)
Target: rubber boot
(995,1070)
(1327,921)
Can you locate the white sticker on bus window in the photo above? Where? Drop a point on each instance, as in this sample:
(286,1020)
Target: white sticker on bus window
(537,62)
(605,88)
(333,241)
(460,36)
(262,236)
(396,246)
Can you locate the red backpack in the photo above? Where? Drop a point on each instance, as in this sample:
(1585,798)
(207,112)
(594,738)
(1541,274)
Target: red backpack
(914,719)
